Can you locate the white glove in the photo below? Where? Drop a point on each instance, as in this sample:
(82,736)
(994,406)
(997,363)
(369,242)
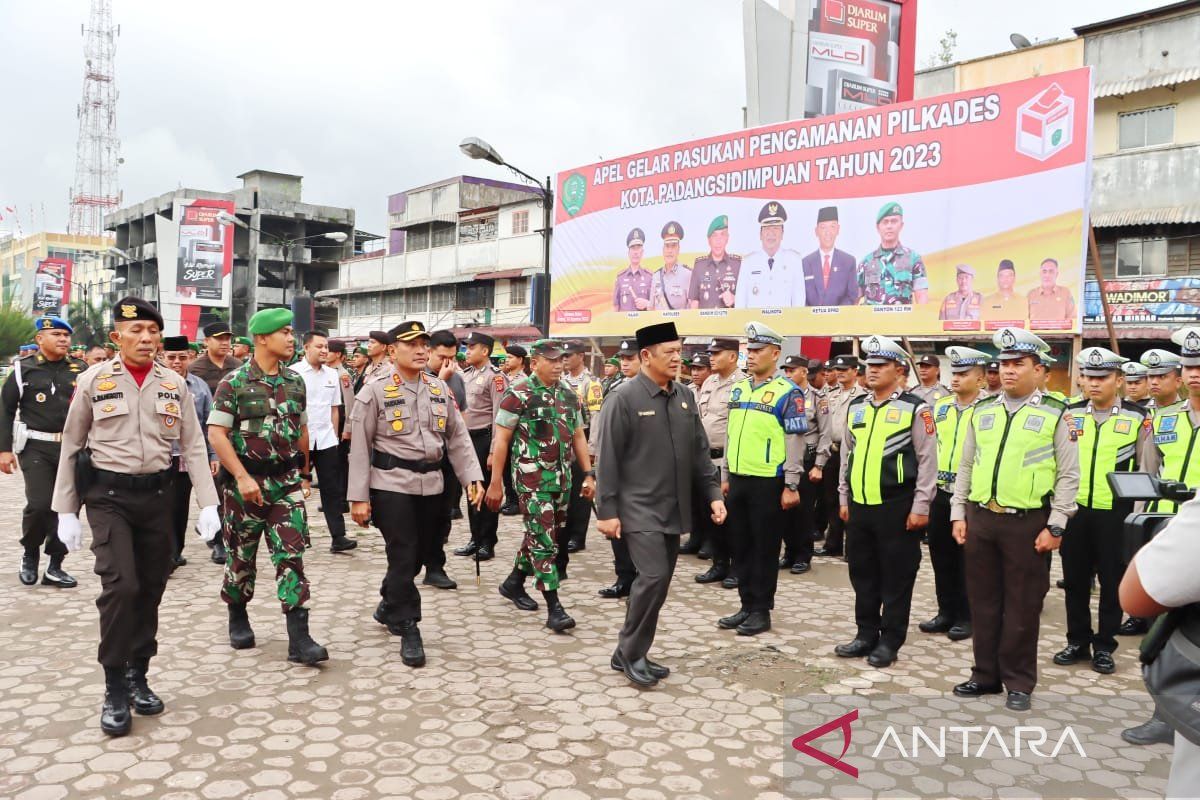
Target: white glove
(69,532)
(209,524)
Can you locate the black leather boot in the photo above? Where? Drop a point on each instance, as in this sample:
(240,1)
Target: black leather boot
(412,649)
(557,618)
(145,701)
(301,647)
(513,589)
(115,719)
(241,636)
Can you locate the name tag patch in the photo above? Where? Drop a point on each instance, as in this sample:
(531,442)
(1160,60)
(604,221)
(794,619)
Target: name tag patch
(1122,426)
(986,422)
(1034,424)
(893,415)
(646,413)
(1166,438)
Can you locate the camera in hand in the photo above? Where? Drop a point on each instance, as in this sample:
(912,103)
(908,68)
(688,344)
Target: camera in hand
(1141,526)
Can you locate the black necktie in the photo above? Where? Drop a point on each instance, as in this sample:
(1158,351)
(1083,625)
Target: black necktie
(770,263)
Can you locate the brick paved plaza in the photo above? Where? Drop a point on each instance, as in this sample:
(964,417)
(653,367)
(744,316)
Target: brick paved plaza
(503,709)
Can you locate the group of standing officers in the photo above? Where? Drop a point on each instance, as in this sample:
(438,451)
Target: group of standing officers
(996,471)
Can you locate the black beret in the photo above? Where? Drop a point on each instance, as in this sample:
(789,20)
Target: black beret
(217,329)
(383,337)
(518,351)
(174,344)
(128,309)
(657,334)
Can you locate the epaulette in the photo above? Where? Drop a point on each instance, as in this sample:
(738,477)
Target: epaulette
(1075,404)
(1053,402)
(859,398)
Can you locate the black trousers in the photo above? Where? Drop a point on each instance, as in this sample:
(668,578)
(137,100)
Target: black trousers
(579,510)
(434,554)
(483,522)
(132,541)
(946,556)
(39,525)
(801,521)
(755,524)
(884,558)
(181,495)
(408,522)
(327,464)
(1094,546)
(829,485)
(344,466)
(709,533)
(1007,581)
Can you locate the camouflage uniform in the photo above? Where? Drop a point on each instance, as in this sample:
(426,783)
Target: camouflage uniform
(544,420)
(265,415)
(889,277)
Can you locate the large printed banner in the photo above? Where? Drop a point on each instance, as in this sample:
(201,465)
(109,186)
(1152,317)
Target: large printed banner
(965,212)
(204,264)
(52,286)
(1144,300)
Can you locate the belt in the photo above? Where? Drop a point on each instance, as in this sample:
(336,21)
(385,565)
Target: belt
(716,452)
(481,432)
(996,508)
(152,480)
(44,436)
(264,469)
(388,461)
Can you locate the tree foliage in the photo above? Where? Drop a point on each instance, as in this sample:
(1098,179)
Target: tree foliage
(16,329)
(88,322)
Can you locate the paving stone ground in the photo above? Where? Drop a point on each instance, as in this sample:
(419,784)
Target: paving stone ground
(503,709)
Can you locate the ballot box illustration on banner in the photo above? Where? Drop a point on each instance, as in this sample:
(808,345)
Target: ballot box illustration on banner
(1044,123)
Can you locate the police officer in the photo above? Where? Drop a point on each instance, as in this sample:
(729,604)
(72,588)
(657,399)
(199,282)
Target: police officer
(540,423)
(801,521)
(485,386)
(715,275)
(627,355)
(590,395)
(1137,385)
(1164,374)
(631,292)
(888,479)
(671,284)
(401,427)
(929,374)
(259,430)
(992,378)
(1110,435)
(952,416)
(377,359)
(38,390)
(216,362)
(827,468)
(700,369)
(1015,490)
(130,410)
(713,405)
(892,274)
(764,459)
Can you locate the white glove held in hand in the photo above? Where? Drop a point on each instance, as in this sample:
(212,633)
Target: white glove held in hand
(209,524)
(69,532)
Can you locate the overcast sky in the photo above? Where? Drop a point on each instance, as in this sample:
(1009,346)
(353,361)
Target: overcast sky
(365,99)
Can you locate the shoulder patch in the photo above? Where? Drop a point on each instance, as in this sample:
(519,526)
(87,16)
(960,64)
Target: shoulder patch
(498,383)
(927,416)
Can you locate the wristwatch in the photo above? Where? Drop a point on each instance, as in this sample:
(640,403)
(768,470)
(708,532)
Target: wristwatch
(792,487)
(591,473)
(1056,530)
(306,476)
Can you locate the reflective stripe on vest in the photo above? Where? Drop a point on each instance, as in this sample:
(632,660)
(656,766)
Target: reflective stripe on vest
(1175,437)
(755,428)
(883,463)
(1014,454)
(1108,447)
(951,431)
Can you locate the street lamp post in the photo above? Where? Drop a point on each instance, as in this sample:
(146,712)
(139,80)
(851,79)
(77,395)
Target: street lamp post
(477,148)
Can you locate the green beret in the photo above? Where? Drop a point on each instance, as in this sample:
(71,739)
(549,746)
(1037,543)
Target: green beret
(243,340)
(269,320)
(195,346)
(888,210)
(720,223)
(616,362)
(361,350)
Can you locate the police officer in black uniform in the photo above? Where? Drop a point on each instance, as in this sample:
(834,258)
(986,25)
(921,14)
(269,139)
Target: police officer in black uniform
(40,387)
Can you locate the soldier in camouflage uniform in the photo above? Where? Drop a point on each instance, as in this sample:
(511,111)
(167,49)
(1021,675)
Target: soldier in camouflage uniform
(540,422)
(892,274)
(259,430)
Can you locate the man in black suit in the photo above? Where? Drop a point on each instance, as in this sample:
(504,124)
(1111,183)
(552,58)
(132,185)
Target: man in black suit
(829,277)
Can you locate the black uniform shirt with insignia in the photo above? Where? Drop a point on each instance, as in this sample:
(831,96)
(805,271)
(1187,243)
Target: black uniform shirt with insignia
(46,392)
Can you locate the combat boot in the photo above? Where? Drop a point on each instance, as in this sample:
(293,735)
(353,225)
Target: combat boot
(301,647)
(557,618)
(412,650)
(513,589)
(145,701)
(241,636)
(115,719)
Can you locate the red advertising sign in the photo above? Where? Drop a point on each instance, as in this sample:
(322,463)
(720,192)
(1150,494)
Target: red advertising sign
(860,54)
(52,286)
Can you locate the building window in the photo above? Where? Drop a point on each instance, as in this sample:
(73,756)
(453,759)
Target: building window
(417,239)
(478,229)
(416,301)
(1141,258)
(480,294)
(393,302)
(520,222)
(441,298)
(518,290)
(443,235)
(1146,128)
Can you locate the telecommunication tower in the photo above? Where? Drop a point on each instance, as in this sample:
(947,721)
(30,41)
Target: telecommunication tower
(97,152)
